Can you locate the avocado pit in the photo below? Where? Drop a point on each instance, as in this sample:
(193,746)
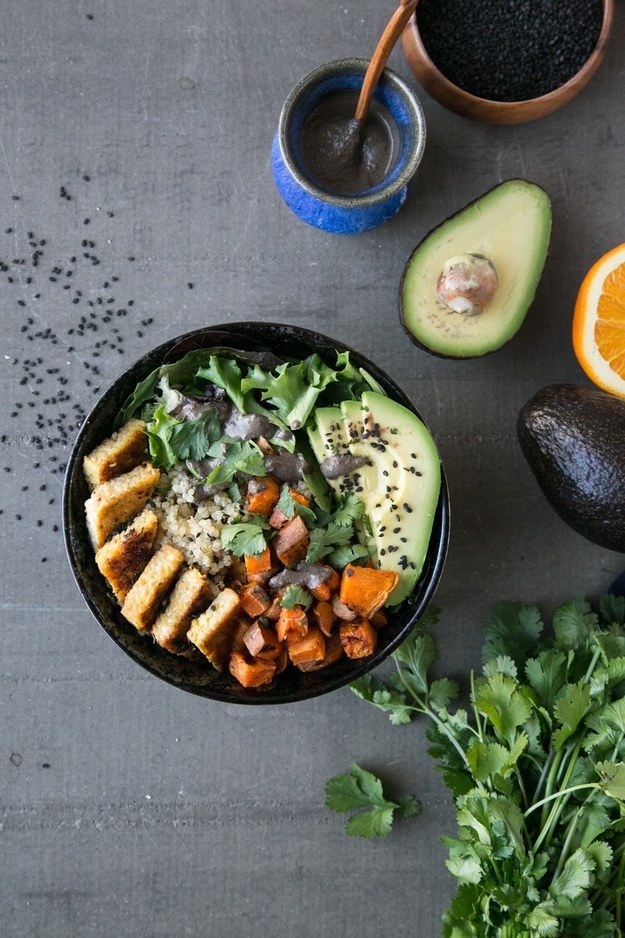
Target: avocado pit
(467,284)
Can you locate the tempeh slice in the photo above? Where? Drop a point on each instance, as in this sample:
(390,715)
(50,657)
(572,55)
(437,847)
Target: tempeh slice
(120,453)
(214,631)
(143,601)
(188,597)
(115,502)
(122,559)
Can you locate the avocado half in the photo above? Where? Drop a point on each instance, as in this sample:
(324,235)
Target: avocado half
(574,441)
(509,228)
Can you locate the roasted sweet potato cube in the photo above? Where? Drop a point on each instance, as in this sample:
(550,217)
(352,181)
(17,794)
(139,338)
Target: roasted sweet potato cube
(310,648)
(262,642)
(330,585)
(251,672)
(366,590)
(358,638)
(292,624)
(324,617)
(213,632)
(262,495)
(254,600)
(243,624)
(291,543)
(334,651)
(258,569)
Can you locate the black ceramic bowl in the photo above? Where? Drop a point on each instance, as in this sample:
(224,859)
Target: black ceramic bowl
(199,678)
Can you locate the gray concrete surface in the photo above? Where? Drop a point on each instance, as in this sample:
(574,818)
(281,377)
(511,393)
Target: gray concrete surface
(129,808)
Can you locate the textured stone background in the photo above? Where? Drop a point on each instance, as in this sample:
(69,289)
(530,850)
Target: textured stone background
(130,808)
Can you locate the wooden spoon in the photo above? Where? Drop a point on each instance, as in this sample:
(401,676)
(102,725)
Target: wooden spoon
(391,34)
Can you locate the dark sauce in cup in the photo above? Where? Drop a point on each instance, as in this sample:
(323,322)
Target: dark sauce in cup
(342,156)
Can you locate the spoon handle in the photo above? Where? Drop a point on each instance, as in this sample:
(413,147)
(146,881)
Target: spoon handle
(389,37)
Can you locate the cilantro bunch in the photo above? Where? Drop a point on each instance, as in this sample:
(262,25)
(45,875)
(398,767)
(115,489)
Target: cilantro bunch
(536,768)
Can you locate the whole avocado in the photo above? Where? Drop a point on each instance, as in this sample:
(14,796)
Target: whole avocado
(574,441)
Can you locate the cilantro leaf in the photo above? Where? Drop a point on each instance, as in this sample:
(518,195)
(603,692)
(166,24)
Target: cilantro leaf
(350,509)
(172,441)
(376,692)
(442,692)
(573,623)
(612,779)
(575,876)
(351,553)
(226,374)
(236,456)
(375,823)
(416,655)
(501,699)
(513,630)
(192,439)
(544,924)
(489,758)
(502,664)
(569,710)
(289,506)
(246,539)
(324,540)
(486,759)
(547,675)
(361,789)
(295,596)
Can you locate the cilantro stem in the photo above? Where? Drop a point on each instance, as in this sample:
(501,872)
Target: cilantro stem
(592,665)
(559,794)
(543,774)
(430,713)
(568,838)
(521,785)
(476,712)
(553,771)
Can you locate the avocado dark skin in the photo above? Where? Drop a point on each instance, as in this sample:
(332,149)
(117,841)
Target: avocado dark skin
(574,441)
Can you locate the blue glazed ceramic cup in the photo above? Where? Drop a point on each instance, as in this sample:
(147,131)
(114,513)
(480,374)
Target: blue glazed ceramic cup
(346,214)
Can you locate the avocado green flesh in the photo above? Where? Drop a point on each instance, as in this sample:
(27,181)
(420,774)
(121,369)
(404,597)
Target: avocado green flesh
(407,463)
(327,438)
(511,226)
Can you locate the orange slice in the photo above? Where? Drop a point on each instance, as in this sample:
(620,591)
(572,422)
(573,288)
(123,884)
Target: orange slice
(599,322)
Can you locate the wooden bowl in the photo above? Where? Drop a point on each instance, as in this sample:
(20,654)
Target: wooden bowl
(500,112)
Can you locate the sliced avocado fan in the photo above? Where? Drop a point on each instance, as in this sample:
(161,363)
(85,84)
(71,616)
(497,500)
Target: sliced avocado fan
(399,481)
(468,285)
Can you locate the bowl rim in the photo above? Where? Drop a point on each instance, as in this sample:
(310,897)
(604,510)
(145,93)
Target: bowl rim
(360,668)
(562,94)
(384,192)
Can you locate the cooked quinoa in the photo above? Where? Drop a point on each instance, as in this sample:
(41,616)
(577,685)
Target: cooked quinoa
(194,527)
